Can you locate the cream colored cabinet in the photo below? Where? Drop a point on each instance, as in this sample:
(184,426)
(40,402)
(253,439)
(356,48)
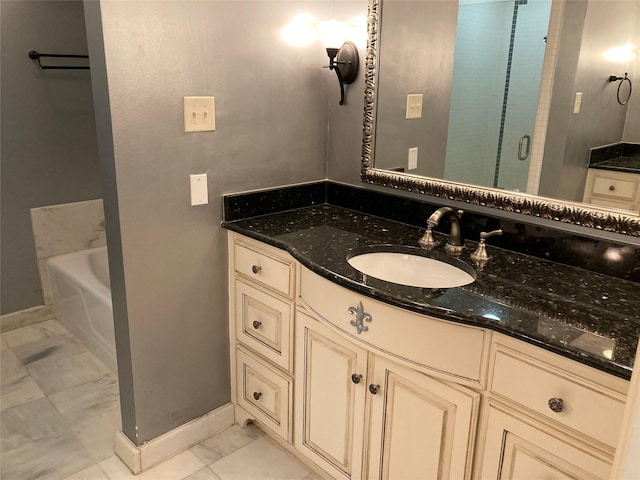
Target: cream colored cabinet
(419,427)
(264,392)
(446,350)
(261,299)
(613,189)
(517,448)
(361,389)
(548,417)
(416,427)
(330,395)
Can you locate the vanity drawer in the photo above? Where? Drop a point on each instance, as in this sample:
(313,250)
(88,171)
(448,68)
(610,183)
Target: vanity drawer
(437,347)
(264,323)
(607,186)
(587,406)
(611,203)
(265,393)
(272,271)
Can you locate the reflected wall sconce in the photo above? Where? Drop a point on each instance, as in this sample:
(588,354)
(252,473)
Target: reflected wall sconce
(343,55)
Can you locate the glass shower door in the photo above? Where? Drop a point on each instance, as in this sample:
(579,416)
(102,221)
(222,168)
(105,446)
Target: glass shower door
(522,89)
(500,47)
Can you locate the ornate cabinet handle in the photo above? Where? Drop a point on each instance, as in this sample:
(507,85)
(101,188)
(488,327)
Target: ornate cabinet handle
(374,389)
(257,395)
(355,378)
(556,405)
(361,317)
(257,324)
(256,269)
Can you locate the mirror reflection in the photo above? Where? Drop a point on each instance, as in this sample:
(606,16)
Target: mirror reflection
(511,94)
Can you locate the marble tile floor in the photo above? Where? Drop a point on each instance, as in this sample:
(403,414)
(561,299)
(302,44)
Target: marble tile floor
(60,410)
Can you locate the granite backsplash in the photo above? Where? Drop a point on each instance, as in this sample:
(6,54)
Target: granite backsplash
(620,260)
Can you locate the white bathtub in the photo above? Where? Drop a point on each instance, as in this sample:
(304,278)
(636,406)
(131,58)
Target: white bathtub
(82,300)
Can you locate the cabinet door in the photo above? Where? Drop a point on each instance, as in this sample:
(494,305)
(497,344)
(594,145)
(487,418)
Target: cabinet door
(518,449)
(329,415)
(420,428)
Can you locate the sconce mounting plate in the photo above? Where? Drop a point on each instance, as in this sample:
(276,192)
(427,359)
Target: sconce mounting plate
(347,62)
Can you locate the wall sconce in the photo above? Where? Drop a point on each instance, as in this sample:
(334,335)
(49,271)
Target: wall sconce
(343,55)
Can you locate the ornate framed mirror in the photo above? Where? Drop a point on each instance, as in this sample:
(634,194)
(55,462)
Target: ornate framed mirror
(382,65)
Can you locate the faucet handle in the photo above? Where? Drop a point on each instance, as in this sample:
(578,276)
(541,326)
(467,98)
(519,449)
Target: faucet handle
(427,240)
(481,254)
(494,233)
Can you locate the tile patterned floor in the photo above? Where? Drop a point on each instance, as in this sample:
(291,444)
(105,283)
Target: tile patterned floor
(60,410)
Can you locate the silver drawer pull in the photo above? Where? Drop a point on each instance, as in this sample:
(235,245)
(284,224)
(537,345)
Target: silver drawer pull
(257,395)
(257,324)
(256,269)
(355,378)
(374,389)
(361,317)
(556,404)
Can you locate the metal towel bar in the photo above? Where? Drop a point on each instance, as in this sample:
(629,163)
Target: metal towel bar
(33,55)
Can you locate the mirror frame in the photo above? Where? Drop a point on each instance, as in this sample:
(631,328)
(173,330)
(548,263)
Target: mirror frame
(563,211)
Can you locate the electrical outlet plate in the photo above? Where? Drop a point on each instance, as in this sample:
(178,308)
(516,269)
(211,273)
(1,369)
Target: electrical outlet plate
(199,190)
(577,102)
(199,114)
(412,162)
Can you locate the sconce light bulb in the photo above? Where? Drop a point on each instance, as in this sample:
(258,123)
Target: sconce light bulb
(300,31)
(332,33)
(619,54)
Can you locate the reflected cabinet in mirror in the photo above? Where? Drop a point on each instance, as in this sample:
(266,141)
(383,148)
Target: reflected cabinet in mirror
(522,105)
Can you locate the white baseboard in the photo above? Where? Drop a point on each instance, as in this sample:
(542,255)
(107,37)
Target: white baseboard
(151,453)
(29,316)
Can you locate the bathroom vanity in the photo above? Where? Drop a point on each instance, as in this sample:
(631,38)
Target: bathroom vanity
(613,177)
(516,375)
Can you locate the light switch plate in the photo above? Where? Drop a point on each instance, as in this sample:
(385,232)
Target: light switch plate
(199,189)
(414,105)
(199,114)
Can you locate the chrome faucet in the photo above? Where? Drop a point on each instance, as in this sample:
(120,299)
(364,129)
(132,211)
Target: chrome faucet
(455,242)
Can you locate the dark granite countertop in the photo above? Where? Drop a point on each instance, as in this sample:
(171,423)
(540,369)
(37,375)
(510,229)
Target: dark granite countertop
(571,311)
(620,164)
(621,157)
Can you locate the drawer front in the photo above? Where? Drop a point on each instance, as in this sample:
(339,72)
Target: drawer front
(614,187)
(264,323)
(264,393)
(611,203)
(586,406)
(272,272)
(434,346)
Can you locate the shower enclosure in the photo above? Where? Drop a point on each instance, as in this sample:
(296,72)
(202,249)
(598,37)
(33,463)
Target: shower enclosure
(499,53)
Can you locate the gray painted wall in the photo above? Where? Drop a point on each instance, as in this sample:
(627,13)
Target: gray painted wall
(49,150)
(417,42)
(632,124)
(272,107)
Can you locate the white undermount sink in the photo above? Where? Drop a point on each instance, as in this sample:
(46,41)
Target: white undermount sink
(411,270)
